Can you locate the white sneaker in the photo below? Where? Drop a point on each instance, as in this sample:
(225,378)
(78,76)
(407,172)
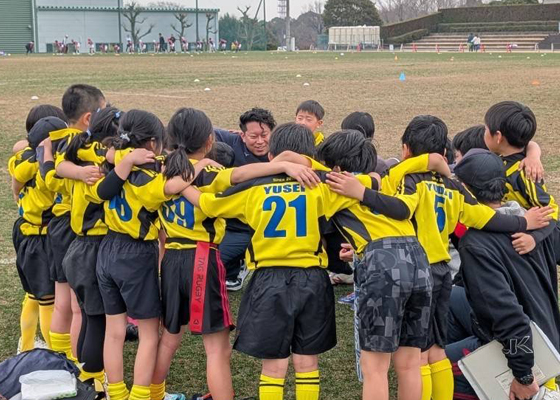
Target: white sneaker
(547,394)
(39,344)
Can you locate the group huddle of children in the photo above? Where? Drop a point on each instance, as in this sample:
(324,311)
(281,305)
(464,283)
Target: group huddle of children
(120,216)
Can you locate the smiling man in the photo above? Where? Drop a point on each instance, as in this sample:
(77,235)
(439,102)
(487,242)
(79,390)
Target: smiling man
(250,146)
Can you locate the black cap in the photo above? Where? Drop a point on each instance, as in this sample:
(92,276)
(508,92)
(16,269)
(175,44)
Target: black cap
(42,128)
(480,167)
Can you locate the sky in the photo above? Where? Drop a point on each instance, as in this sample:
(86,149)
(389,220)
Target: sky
(296,6)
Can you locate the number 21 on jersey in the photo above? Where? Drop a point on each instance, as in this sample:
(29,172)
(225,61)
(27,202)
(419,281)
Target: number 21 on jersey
(278,206)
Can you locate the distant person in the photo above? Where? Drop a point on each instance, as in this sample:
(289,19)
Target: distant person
(470,41)
(172,41)
(476,43)
(29,47)
(161,48)
(91,46)
(184,45)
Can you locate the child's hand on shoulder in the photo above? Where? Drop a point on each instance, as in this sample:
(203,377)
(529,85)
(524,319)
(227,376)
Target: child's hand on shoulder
(141,157)
(346,184)
(90,174)
(523,243)
(533,168)
(207,162)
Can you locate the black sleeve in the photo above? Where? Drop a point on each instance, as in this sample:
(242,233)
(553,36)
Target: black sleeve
(494,302)
(111,186)
(45,168)
(387,205)
(541,234)
(506,223)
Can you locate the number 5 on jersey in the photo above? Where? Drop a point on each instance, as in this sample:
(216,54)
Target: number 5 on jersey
(279,206)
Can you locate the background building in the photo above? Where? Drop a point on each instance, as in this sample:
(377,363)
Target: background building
(44,21)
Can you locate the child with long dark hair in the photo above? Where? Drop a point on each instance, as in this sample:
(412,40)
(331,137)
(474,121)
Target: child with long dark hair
(193,277)
(87,222)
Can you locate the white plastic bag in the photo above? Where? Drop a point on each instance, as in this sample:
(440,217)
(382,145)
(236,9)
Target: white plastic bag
(46,385)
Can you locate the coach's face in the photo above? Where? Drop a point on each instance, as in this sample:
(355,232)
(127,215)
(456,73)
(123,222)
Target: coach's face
(256,138)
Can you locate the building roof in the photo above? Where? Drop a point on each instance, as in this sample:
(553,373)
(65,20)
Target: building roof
(145,9)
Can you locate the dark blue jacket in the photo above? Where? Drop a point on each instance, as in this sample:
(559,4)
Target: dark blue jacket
(242,154)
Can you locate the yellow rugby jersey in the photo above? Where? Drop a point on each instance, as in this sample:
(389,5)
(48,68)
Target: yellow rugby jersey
(360,226)
(284,217)
(35,201)
(135,211)
(319,138)
(87,216)
(437,204)
(185,224)
(523,190)
(62,187)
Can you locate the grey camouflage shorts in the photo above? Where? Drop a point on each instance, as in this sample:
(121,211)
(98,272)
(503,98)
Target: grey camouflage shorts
(394,295)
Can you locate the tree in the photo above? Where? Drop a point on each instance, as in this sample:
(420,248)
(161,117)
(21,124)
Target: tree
(209,18)
(183,20)
(306,28)
(249,26)
(131,12)
(351,13)
(229,27)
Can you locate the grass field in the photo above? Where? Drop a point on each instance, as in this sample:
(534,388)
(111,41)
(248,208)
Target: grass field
(459,91)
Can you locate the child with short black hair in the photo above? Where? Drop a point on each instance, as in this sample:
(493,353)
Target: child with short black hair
(223,154)
(510,127)
(79,102)
(470,138)
(310,113)
(360,121)
(289,263)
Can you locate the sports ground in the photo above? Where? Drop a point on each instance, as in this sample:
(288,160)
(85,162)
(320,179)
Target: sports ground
(458,88)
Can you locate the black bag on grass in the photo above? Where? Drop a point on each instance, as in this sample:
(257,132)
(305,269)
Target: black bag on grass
(31,361)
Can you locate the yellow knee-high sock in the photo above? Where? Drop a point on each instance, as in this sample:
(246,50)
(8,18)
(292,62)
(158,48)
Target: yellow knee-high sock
(98,376)
(157,391)
(60,342)
(442,380)
(551,384)
(46,308)
(307,385)
(426,373)
(117,391)
(271,388)
(140,393)
(28,322)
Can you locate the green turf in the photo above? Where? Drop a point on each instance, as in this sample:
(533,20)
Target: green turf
(457,87)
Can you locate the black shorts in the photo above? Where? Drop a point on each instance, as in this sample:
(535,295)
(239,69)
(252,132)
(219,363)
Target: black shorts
(59,235)
(79,268)
(393,295)
(441,294)
(193,290)
(286,310)
(32,262)
(127,272)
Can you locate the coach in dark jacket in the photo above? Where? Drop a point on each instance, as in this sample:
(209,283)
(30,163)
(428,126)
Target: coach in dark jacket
(507,290)
(250,146)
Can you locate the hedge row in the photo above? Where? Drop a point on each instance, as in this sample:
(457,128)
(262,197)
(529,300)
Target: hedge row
(429,23)
(533,12)
(490,28)
(408,37)
(526,26)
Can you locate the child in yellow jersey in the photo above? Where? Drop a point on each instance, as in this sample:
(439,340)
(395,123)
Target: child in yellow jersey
(510,126)
(288,307)
(29,233)
(310,113)
(87,222)
(192,275)
(79,102)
